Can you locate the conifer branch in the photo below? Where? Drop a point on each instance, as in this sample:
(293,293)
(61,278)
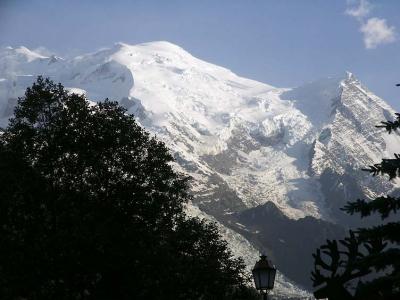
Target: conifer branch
(389,232)
(390,125)
(383,205)
(389,166)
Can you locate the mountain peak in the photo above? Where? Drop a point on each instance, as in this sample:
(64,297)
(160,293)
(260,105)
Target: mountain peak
(27,53)
(277,152)
(148,47)
(350,78)
(350,75)
(204,110)
(161,45)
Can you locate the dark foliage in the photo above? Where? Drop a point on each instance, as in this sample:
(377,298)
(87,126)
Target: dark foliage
(366,265)
(391,125)
(91,208)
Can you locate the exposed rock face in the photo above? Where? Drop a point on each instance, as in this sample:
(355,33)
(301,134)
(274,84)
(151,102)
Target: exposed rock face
(289,242)
(245,143)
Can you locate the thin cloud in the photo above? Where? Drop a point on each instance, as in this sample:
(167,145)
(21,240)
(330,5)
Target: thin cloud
(43,51)
(361,10)
(375,31)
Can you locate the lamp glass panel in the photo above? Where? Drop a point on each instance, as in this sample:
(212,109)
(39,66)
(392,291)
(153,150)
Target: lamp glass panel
(256,276)
(263,279)
(272,273)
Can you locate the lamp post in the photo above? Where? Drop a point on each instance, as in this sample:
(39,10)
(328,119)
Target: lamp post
(264,276)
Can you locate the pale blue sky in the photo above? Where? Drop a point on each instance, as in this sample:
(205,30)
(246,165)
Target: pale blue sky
(280,42)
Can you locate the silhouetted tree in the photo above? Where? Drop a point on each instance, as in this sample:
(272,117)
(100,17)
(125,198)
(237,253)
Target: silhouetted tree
(367,265)
(91,208)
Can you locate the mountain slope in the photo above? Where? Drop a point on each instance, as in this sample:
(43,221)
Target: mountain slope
(289,242)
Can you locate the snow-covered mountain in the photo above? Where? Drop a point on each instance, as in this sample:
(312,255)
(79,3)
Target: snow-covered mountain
(245,143)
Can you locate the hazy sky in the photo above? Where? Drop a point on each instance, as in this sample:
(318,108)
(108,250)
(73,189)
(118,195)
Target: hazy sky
(283,43)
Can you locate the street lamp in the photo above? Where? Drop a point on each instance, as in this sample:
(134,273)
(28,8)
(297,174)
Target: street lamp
(264,275)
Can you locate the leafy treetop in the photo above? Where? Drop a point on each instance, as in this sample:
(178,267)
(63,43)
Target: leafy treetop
(91,208)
